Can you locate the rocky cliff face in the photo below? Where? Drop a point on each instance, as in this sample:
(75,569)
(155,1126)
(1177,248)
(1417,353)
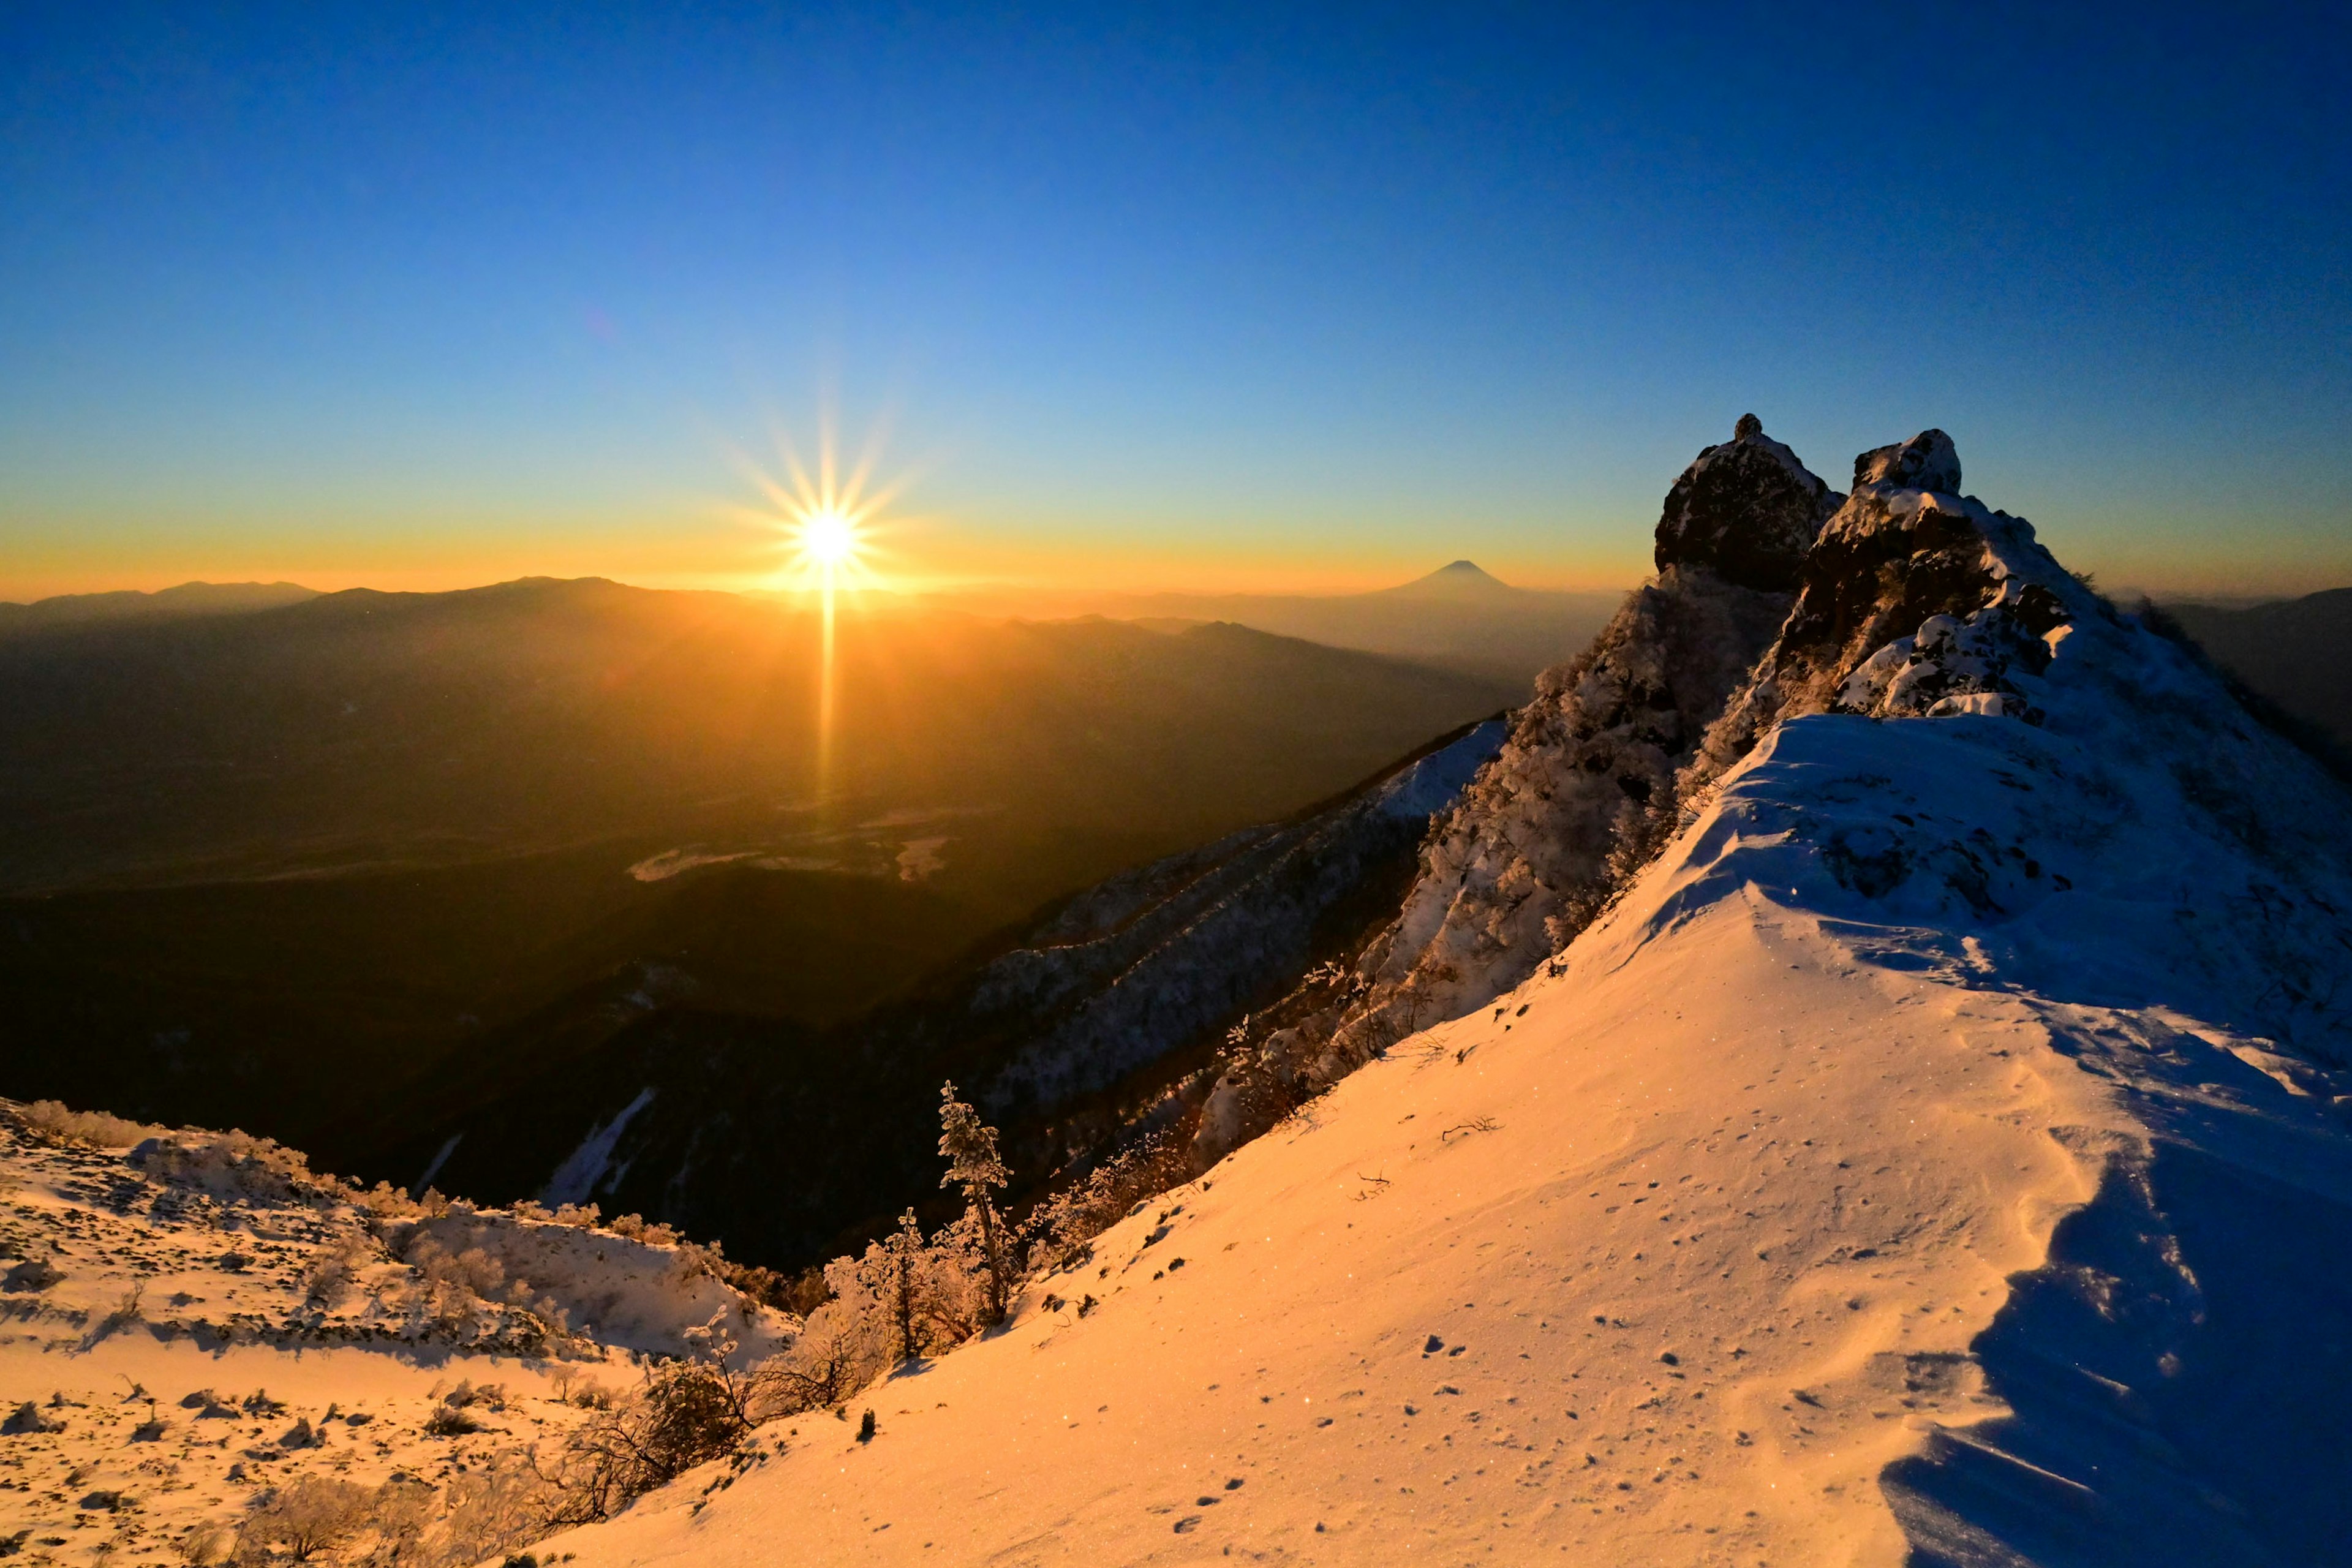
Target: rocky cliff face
(1575,797)
(1914,603)
(1747,511)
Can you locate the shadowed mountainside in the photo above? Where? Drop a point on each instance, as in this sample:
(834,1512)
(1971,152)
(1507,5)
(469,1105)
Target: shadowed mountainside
(2297,653)
(788,1141)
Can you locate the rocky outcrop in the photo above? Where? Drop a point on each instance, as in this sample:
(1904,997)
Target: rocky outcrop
(1540,838)
(1746,510)
(1914,602)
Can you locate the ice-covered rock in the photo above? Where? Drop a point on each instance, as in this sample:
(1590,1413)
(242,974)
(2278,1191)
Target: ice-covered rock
(1926,462)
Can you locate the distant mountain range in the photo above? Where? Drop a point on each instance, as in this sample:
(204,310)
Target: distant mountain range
(2290,651)
(2296,652)
(1457,616)
(242,852)
(129,605)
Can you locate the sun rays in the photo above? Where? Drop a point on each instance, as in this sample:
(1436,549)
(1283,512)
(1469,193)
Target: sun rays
(827,529)
(826,525)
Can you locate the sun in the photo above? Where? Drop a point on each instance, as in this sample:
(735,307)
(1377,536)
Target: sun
(828,537)
(826,526)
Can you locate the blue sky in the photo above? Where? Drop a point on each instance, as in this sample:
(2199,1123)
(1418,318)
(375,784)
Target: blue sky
(1193,296)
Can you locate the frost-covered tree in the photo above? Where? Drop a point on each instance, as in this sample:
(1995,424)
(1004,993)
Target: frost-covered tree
(905,1261)
(969,1146)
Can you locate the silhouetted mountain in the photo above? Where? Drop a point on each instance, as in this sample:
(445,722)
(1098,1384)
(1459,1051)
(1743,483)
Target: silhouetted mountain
(2297,653)
(128,604)
(1457,616)
(365,728)
(1457,582)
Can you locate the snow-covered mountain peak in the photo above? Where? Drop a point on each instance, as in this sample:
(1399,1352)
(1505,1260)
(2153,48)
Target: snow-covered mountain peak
(1746,510)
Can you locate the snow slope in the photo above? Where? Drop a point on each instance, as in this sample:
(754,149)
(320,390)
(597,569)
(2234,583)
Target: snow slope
(1938,1154)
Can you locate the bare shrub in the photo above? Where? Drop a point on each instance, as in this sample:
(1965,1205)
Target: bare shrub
(455,1416)
(489,1512)
(688,1412)
(450,1421)
(1061,1228)
(54,1123)
(310,1516)
(125,1312)
(330,1282)
(235,1164)
(637,1227)
(205,1544)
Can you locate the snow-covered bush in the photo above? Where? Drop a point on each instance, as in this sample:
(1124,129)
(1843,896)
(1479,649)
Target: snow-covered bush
(299,1521)
(54,1123)
(234,1165)
(1060,1227)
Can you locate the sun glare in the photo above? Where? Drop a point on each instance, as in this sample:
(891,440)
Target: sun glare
(827,537)
(826,526)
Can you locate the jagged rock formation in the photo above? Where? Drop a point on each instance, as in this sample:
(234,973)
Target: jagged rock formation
(1746,510)
(1915,601)
(1535,846)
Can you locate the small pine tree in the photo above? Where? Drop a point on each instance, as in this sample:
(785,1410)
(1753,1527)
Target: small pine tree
(969,1146)
(906,1255)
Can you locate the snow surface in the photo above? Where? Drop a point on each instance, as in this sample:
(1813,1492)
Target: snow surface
(198,1320)
(1937,1154)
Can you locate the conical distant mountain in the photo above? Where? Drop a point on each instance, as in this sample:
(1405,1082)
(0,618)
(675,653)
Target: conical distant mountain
(1459,581)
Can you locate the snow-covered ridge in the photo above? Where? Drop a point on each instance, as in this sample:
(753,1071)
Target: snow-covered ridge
(1936,1155)
(101,1208)
(195,1327)
(2164,810)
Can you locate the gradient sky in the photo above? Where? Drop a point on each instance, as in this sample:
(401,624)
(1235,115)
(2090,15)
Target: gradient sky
(1257,296)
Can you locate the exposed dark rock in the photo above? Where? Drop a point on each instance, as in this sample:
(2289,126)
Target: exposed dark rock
(1746,510)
